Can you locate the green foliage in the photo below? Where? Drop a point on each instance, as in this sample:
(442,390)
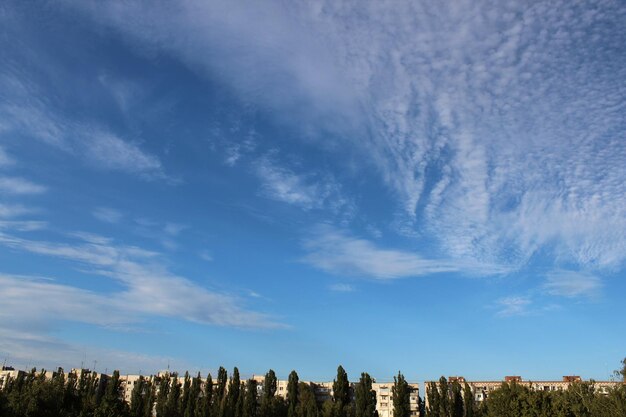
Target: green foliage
(137,398)
(342,404)
(365,398)
(307,406)
(219,396)
(88,394)
(193,397)
(456,400)
(341,387)
(401,395)
(205,404)
(232,396)
(250,399)
(271,406)
(112,403)
(469,406)
(434,401)
(444,398)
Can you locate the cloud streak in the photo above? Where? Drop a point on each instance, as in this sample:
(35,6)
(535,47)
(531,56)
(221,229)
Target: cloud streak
(18,185)
(572,284)
(148,288)
(338,253)
(312,191)
(25,115)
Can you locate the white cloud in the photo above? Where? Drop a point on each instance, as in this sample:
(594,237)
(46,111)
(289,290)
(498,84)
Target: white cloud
(341,288)
(27,114)
(13,210)
(17,185)
(23,225)
(572,284)
(338,253)
(312,191)
(5,159)
(108,215)
(108,151)
(498,139)
(174,229)
(513,306)
(148,288)
(262,52)
(206,255)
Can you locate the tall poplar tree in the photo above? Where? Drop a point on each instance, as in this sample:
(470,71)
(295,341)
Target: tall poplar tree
(401,396)
(206,408)
(341,394)
(112,403)
(434,400)
(307,406)
(219,400)
(444,396)
(150,398)
(250,399)
(194,396)
(456,400)
(292,394)
(468,401)
(184,398)
(137,400)
(162,395)
(234,388)
(173,399)
(268,403)
(365,397)
(341,387)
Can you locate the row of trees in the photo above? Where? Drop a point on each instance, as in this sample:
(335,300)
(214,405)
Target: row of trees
(89,394)
(581,399)
(516,400)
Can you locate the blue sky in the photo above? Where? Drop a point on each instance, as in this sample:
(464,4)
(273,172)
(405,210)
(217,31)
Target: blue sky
(435,187)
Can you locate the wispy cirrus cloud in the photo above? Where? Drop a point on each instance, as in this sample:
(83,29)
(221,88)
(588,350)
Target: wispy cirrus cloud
(14,210)
(18,185)
(513,306)
(148,288)
(108,214)
(23,225)
(572,284)
(338,253)
(97,146)
(307,191)
(341,288)
(499,138)
(5,159)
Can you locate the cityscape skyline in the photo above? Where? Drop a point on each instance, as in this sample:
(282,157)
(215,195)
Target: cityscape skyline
(435,187)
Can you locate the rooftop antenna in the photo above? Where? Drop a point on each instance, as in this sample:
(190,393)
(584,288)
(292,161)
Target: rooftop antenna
(95,362)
